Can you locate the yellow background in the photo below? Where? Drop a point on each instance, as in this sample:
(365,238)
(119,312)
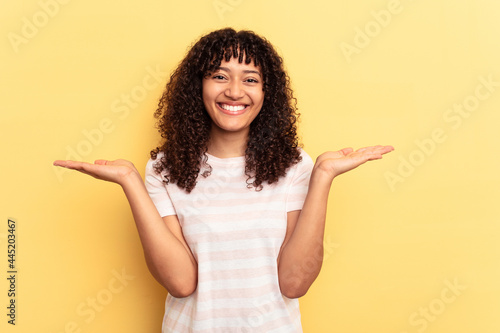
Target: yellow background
(401,231)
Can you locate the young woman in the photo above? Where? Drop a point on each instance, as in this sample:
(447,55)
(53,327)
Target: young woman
(232,212)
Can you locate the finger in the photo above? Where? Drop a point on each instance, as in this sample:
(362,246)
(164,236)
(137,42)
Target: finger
(347,151)
(58,163)
(377,152)
(374,157)
(101,162)
(368,148)
(76,165)
(388,148)
(376,149)
(66,163)
(384,149)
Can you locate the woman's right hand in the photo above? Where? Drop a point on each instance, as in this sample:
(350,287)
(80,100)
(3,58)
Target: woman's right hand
(116,171)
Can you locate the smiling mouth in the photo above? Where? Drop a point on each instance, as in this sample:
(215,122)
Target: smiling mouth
(232,109)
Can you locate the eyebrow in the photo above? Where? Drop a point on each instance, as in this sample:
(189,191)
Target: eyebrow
(247,71)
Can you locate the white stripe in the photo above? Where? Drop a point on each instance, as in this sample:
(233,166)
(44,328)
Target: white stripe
(233,211)
(228,284)
(262,224)
(257,321)
(230,245)
(243,303)
(229,265)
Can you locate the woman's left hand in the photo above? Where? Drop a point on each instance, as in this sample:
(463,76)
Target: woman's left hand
(335,163)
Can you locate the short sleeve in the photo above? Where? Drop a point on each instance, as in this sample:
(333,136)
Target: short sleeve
(300,183)
(157,191)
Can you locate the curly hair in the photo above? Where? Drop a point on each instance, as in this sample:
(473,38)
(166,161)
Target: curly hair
(184,123)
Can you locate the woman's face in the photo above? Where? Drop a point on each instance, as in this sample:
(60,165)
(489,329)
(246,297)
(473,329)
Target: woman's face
(233,96)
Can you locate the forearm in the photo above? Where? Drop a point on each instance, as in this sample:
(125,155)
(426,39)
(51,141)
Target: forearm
(301,258)
(168,259)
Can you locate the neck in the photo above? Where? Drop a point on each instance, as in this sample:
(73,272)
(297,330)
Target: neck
(225,144)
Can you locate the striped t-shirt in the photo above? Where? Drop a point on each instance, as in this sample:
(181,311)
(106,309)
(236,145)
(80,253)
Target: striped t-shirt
(235,234)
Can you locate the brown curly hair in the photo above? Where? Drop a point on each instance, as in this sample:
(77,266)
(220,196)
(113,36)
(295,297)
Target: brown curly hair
(185,125)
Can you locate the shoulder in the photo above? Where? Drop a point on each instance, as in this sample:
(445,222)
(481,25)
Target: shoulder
(305,164)
(306,159)
(301,169)
(150,165)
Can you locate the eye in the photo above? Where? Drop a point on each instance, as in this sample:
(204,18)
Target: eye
(218,77)
(252,80)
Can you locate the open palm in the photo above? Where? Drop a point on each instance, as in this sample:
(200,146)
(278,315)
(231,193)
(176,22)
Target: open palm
(112,171)
(337,162)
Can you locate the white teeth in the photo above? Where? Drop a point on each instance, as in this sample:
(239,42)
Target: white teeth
(232,108)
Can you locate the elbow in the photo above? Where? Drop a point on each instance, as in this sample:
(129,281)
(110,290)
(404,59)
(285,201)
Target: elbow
(182,291)
(182,288)
(295,284)
(179,288)
(177,285)
(293,288)
(294,294)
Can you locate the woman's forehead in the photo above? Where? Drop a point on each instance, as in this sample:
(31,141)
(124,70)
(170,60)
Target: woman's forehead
(233,63)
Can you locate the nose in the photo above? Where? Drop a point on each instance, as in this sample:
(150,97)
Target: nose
(235,90)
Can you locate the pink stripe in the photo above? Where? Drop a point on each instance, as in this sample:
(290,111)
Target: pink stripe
(181,306)
(236,235)
(255,317)
(297,196)
(235,200)
(234,312)
(236,274)
(272,216)
(176,326)
(208,295)
(238,254)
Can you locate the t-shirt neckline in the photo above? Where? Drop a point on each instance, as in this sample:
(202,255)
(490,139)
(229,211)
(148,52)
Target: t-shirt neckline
(225,161)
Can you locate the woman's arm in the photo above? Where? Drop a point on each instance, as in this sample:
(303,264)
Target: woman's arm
(168,257)
(301,254)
